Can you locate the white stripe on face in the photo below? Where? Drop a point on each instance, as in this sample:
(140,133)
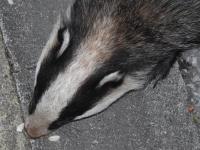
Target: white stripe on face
(116,76)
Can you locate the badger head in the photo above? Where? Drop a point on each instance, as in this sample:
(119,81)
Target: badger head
(82,70)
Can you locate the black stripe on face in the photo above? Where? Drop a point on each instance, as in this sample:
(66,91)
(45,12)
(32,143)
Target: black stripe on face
(87,96)
(50,68)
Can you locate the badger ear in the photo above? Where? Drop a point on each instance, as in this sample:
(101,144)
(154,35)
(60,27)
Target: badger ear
(112,77)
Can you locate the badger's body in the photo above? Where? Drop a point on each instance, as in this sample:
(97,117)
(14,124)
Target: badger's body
(101,49)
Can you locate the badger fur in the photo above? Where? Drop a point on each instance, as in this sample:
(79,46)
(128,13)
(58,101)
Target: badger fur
(101,49)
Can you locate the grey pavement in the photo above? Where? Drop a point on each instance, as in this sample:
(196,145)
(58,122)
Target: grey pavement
(10,113)
(152,119)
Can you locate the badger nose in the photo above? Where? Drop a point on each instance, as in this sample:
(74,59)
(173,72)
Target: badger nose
(34,132)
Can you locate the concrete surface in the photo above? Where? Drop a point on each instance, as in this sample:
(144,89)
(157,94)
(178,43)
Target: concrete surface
(190,69)
(10,113)
(153,119)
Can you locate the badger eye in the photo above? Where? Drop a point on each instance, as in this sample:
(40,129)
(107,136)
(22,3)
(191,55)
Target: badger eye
(112,77)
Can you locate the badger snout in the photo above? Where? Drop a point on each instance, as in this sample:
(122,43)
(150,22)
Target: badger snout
(33,130)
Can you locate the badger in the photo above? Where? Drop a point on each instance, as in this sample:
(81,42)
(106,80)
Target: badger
(101,49)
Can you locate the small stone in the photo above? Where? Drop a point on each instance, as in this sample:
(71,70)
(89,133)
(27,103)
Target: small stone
(20,127)
(54,138)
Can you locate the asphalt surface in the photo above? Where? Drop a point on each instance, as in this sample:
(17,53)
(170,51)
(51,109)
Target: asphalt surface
(153,119)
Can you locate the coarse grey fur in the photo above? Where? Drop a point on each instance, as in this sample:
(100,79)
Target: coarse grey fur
(101,50)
